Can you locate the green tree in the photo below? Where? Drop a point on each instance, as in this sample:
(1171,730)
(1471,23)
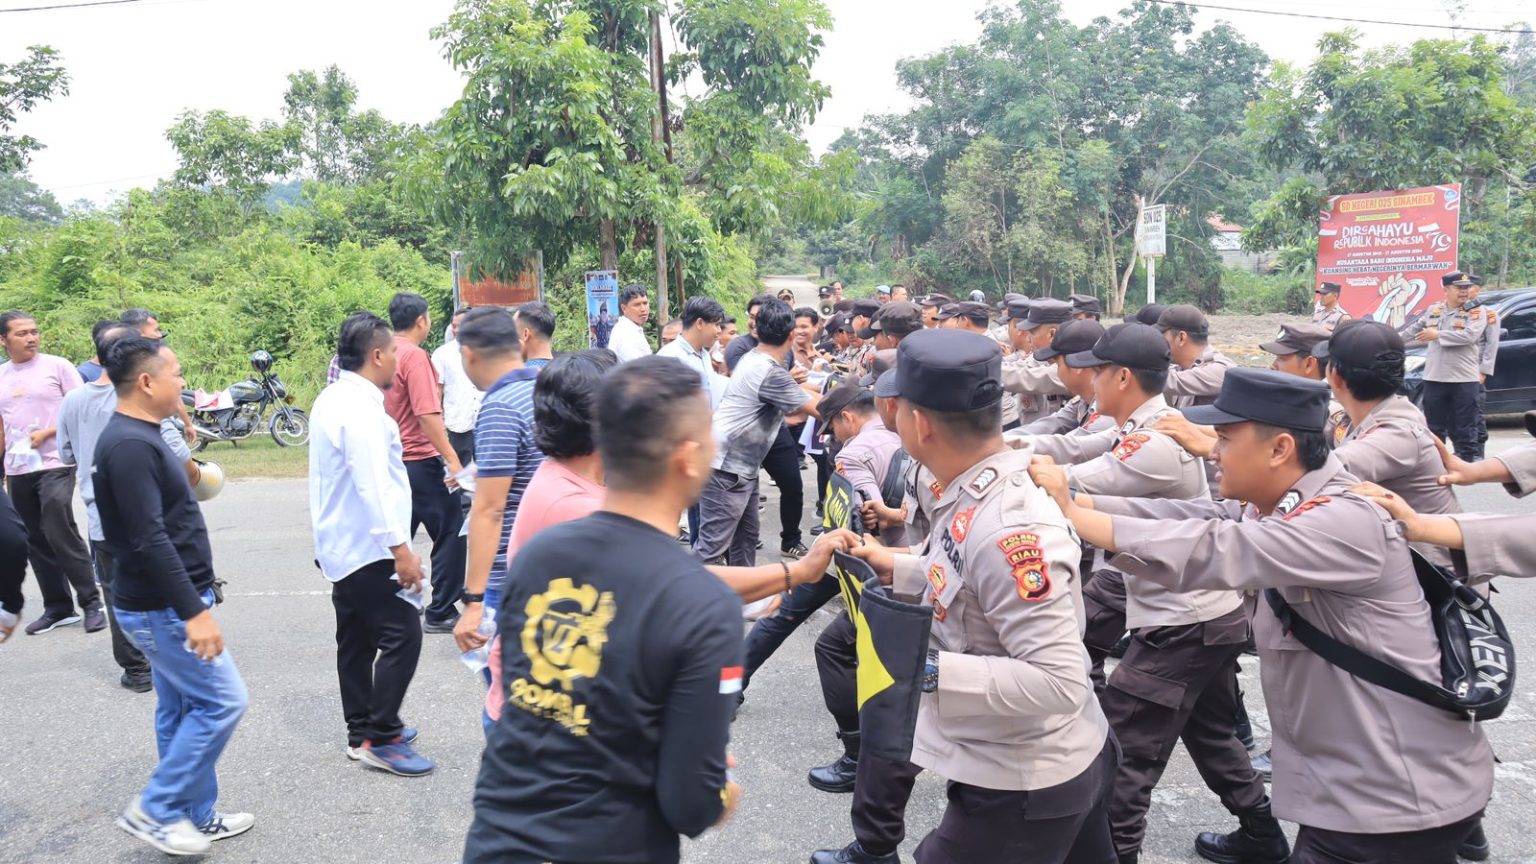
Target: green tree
(329,140)
(23,84)
(24,200)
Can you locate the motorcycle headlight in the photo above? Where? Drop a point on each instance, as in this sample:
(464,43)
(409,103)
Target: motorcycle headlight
(1413,363)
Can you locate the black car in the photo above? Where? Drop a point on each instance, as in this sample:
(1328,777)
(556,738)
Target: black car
(1512,386)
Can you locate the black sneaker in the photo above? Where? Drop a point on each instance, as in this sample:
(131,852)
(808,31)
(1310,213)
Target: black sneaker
(140,683)
(95,620)
(444,626)
(51,621)
(794,553)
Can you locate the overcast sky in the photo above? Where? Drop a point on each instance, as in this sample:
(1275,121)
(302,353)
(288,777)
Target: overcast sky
(133,68)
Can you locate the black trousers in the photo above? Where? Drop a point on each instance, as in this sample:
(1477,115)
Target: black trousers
(823,475)
(124,651)
(463,444)
(1104,605)
(1452,411)
(1432,846)
(783,465)
(767,634)
(13,555)
(836,665)
(1178,683)
(439,509)
(881,790)
(45,500)
(378,643)
(1062,824)
(1482,419)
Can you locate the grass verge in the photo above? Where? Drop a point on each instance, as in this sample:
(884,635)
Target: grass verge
(257,457)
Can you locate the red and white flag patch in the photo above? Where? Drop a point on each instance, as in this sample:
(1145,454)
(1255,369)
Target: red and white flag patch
(730,679)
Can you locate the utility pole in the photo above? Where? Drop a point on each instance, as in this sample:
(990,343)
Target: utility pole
(659,134)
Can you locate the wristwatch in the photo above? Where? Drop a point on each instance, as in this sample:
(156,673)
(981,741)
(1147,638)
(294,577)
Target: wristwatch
(473,598)
(931,672)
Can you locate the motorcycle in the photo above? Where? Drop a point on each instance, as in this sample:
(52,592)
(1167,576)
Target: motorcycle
(240,410)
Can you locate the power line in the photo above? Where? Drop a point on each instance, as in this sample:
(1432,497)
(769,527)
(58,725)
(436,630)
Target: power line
(68,6)
(1339,18)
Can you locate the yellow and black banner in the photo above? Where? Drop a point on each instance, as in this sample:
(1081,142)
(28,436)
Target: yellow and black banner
(892,645)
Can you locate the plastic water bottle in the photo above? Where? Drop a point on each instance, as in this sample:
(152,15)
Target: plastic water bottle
(477,659)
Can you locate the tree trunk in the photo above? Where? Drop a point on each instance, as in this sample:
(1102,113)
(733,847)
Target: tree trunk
(658,132)
(608,245)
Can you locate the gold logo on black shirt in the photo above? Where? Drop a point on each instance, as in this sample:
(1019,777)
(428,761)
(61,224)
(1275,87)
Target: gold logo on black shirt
(563,639)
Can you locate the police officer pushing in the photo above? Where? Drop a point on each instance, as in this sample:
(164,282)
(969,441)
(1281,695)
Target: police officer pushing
(1008,713)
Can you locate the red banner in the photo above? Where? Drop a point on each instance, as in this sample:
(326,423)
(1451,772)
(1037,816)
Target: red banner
(1389,249)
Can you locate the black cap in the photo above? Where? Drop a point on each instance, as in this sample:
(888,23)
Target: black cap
(1071,338)
(1266,396)
(1147,314)
(838,321)
(897,318)
(879,362)
(977,313)
(1017,310)
(1330,288)
(1362,344)
(1183,317)
(1132,345)
(1047,311)
(885,385)
(1297,339)
(1011,297)
(1455,277)
(1085,303)
(835,402)
(824,291)
(949,370)
(948,311)
(866,308)
(936,301)
(1475,280)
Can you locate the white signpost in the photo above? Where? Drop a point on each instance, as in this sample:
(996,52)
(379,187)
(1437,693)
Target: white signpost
(1152,242)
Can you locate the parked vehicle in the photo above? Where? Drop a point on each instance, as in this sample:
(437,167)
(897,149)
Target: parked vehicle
(241,410)
(1512,386)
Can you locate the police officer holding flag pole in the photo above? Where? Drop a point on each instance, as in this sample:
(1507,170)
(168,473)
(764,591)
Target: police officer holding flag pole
(1371,775)
(1008,713)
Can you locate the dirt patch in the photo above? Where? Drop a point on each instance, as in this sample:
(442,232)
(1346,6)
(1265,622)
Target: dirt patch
(1239,336)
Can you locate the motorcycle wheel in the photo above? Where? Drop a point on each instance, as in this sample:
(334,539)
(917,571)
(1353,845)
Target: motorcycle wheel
(290,428)
(200,444)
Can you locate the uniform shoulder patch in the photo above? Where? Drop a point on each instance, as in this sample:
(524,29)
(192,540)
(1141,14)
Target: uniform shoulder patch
(1031,573)
(1130,444)
(983,481)
(1093,417)
(961,525)
(937,489)
(1310,504)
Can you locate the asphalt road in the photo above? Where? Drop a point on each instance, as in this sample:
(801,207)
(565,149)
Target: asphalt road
(77,747)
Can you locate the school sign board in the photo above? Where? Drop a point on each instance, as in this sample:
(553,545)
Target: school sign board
(508,291)
(1389,249)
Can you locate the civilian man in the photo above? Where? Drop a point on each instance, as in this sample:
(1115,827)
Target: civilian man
(628,340)
(431,463)
(32,387)
(360,513)
(461,401)
(670,331)
(536,333)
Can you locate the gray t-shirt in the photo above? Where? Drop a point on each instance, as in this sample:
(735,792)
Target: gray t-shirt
(761,392)
(82,415)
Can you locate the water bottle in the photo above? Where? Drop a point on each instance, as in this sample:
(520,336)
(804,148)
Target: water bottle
(478,659)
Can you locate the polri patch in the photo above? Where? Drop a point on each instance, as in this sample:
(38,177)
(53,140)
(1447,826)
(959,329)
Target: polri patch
(961,526)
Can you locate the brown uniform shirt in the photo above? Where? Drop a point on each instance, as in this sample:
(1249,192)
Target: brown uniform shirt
(1349,756)
(1014,708)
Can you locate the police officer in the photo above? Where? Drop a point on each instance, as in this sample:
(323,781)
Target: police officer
(1034,382)
(966,315)
(931,304)
(1198,369)
(1086,306)
(1293,350)
(1147,314)
(1178,679)
(1370,775)
(1080,416)
(1328,312)
(1488,354)
(1451,364)
(1008,672)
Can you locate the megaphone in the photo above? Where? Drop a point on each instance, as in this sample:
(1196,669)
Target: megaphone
(826,309)
(210,480)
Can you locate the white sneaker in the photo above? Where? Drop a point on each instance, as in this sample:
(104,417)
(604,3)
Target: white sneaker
(177,838)
(227,825)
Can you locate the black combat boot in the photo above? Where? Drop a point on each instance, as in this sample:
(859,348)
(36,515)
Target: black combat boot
(1258,840)
(838,777)
(1475,847)
(853,853)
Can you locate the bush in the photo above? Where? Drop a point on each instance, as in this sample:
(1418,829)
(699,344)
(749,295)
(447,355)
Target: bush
(1247,293)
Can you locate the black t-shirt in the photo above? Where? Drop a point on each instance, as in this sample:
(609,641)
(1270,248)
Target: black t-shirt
(737,348)
(150,519)
(621,658)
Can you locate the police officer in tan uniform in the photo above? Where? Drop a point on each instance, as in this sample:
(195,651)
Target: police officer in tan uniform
(1329,313)
(1085,307)
(1371,776)
(1008,714)
(1452,364)
(1178,679)
(1032,381)
(1080,416)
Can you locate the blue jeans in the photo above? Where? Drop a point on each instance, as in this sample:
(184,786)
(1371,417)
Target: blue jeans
(200,703)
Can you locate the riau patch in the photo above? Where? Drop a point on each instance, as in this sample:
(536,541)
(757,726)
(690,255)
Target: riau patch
(961,525)
(1307,505)
(1034,581)
(1021,548)
(1129,445)
(983,481)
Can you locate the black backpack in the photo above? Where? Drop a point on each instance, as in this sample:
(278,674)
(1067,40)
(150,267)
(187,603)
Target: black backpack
(1477,657)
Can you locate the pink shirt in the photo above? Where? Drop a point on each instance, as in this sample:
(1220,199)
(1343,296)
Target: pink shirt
(555,494)
(30,395)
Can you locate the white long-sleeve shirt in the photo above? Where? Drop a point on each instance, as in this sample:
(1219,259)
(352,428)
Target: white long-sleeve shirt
(461,398)
(628,341)
(359,494)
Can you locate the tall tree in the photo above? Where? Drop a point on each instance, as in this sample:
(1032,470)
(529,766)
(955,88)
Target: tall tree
(23,84)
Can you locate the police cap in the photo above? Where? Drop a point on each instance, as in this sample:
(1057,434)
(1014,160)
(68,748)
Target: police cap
(977,313)
(1148,314)
(949,370)
(1132,345)
(1183,317)
(1362,345)
(879,363)
(1071,338)
(1455,277)
(936,301)
(1297,339)
(1085,303)
(1330,288)
(1268,397)
(1017,310)
(1047,311)
(897,318)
